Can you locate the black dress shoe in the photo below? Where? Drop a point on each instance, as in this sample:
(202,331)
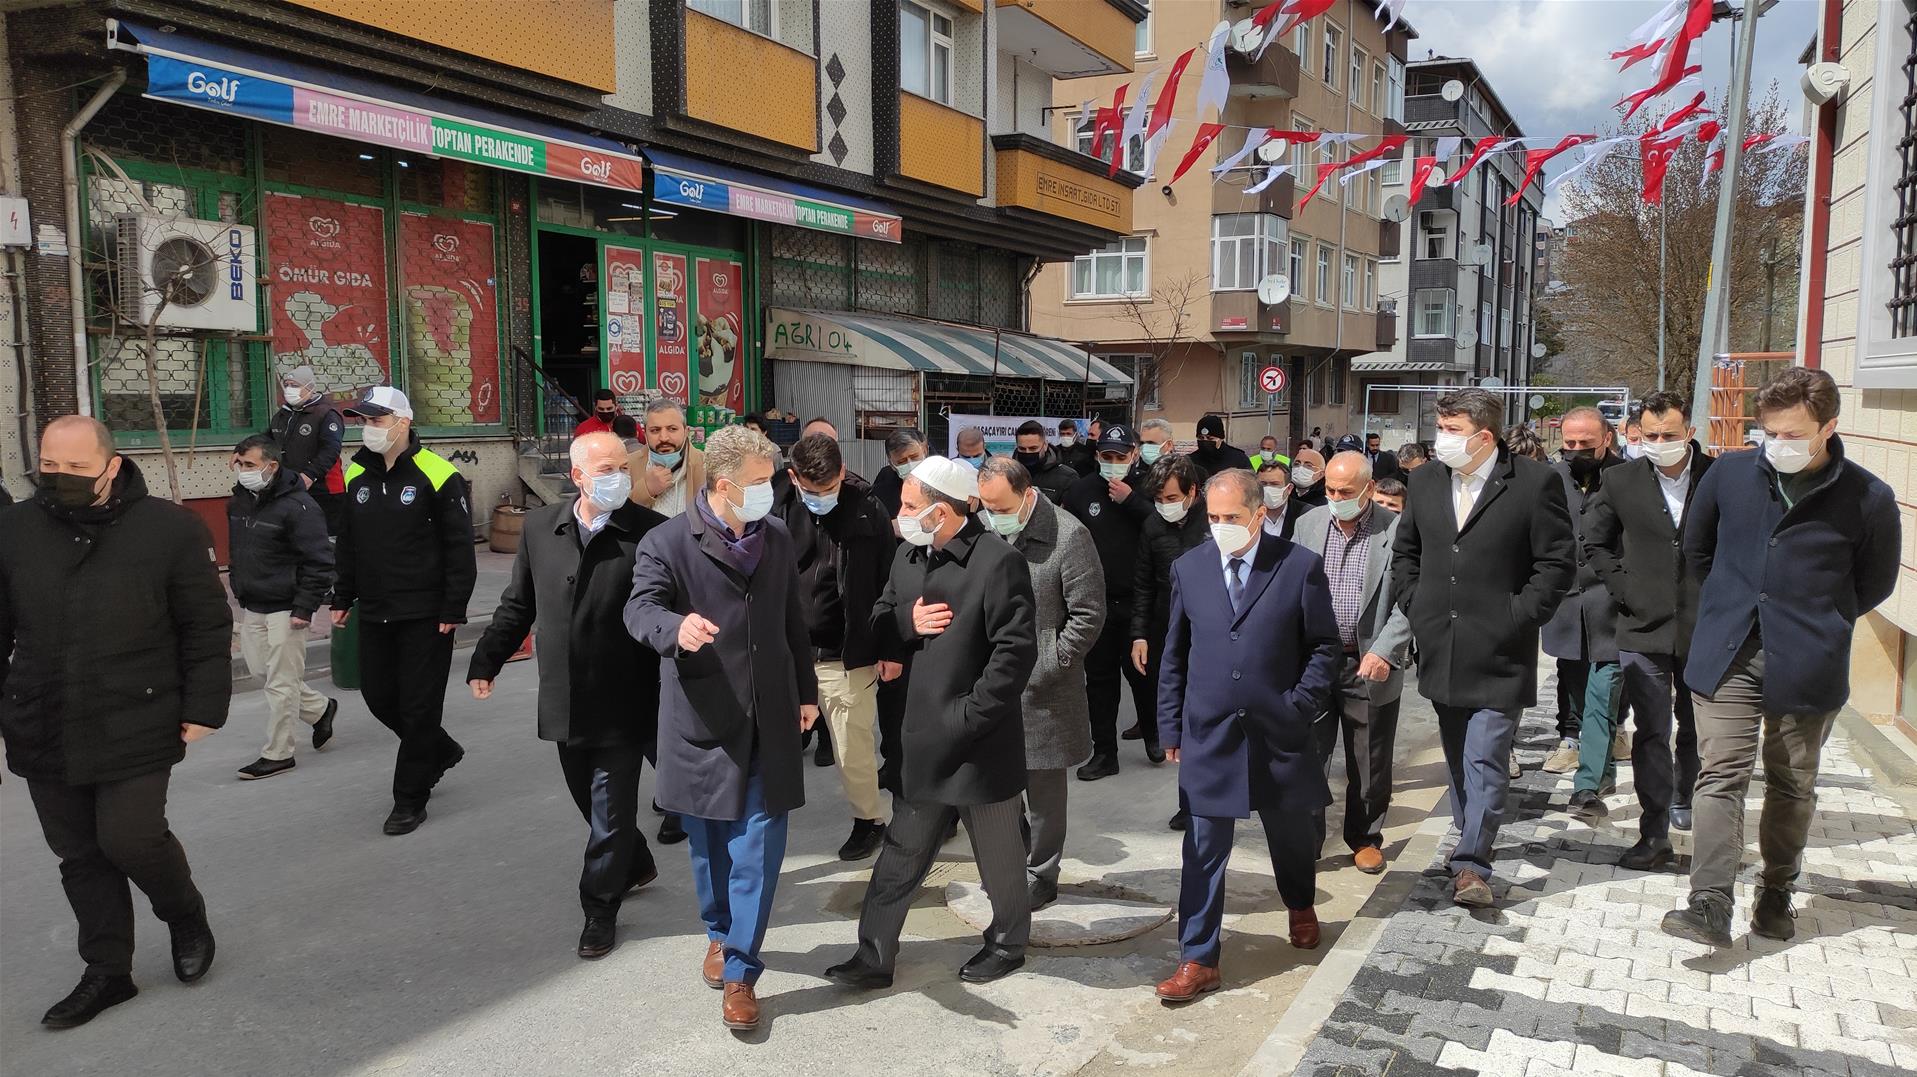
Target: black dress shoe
(1154,754)
(822,755)
(596,940)
(987,966)
(404,820)
(94,995)
(670,831)
(1181,820)
(1588,807)
(1707,920)
(323,729)
(867,836)
(643,869)
(1043,893)
(1773,917)
(192,948)
(265,768)
(1681,819)
(1136,732)
(1649,854)
(1099,766)
(856,973)
(452,760)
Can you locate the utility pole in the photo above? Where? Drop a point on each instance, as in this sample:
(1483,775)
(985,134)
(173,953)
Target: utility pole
(1663,215)
(1716,295)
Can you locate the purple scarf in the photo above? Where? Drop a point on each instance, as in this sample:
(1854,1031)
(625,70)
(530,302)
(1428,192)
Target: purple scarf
(743,552)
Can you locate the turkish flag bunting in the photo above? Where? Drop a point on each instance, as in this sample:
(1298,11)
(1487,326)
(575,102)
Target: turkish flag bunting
(1709,130)
(1388,144)
(1534,160)
(1110,120)
(1655,154)
(1421,170)
(1679,115)
(1207,132)
(1162,108)
(1638,54)
(1325,172)
(1478,153)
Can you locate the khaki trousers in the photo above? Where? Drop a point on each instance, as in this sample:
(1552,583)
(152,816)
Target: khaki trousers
(850,700)
(276,653)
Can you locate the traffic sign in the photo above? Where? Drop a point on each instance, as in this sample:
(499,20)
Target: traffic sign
(1272,379)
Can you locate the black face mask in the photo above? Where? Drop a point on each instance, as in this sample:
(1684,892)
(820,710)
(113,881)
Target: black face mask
(1584,463)
(1031,460)
(63,491)
(606,416)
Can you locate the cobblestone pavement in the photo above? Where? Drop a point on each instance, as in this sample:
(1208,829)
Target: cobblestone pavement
(1570,972)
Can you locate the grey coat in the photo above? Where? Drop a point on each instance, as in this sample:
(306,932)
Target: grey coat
(1383,628)
(1069,585)
(1584,628)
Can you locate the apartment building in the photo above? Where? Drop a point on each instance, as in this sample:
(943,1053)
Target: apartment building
(1467,280)
(1176,301)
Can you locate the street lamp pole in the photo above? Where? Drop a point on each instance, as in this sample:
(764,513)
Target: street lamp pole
(1716,296)
(1663,215)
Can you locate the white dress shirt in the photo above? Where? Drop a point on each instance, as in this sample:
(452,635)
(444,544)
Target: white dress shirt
(1676,491)
(1249,557)
(1468,486)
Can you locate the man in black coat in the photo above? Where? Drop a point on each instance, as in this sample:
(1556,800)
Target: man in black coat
(1483,556)
(1633,531)
(1113,505)
(1213,453)
(311,436)
(1177,524)
(1048,469)
(904,448)
(962,601)
(716,590)
(115,654)
(1793,544)
(843,540)
(1080,453)
(281,569)
(598,687)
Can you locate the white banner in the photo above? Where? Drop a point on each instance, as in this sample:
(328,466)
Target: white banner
(1001,431)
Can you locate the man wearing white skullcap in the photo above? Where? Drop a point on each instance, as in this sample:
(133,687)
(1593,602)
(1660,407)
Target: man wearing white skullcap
(960,604)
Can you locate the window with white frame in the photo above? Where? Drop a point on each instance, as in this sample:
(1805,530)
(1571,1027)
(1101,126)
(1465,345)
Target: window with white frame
(1379,102)
(1142,32)
(1300,254)
(1371,284)
(1333,40)
(1433,312)
(1303,153)
(1118,271)
(1434,234)
(925,51)
(1245,248)
(1250,393)
(1301,44)
(1504,327)
(1484,323)
(1134,147)
(1886,355)
(1349,293)
(1360,63)
(1323,292)
(758,16)
(1392,174)
(1394,89)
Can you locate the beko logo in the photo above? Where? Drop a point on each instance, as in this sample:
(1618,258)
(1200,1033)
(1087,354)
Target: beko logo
(236,263)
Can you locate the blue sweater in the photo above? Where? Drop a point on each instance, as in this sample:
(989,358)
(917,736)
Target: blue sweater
(1803,575)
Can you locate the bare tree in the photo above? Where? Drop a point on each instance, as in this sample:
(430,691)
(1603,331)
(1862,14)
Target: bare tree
(1165,320)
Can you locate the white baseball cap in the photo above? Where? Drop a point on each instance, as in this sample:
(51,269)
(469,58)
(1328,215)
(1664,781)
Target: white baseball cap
(948,477)
(381,400)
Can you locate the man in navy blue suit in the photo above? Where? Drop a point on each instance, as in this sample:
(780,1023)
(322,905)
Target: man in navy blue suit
(1236,715)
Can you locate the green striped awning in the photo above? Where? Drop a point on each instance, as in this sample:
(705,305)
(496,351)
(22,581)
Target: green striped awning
(895,342)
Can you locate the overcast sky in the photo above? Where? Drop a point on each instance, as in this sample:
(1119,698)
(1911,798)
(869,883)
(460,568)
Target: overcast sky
(1549,60)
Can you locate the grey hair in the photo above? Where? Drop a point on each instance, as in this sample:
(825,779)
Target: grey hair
(1013,472)
(728,448)
(1249,490)
(663,403)
(583,444)
(1357,461)
(1156,424)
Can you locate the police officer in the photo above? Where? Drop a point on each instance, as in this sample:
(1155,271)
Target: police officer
(1113,505)
(309,432)
(406,560)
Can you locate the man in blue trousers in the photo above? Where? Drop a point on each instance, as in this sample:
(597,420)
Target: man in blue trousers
(1235,713)
(715,591)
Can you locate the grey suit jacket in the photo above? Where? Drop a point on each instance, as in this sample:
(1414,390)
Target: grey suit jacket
(1383,628)
(1069,585)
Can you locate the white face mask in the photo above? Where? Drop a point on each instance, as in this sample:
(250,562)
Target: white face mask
(1172,512)
(255,479)
(758,502)
(1663,453)
(1111,472)
(607,492)
(1452,450)
(380,439)
(293,394)
(1066,441)
(1302,477)
(1276,496)
(1350,508)
(1231,537)
(1634,450)
(912,529)
(1788,456)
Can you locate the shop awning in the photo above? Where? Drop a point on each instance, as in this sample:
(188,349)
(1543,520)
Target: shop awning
(199,73)
(707,185)
(1385,364)
(898,343)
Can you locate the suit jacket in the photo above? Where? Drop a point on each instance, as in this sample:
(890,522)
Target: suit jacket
(736,700)
(1237,693)
(1802,575)
(1068,586)
(597,685)
(1476,595)
(1584,627)
(964,731)
(1638,550)
(694,467)
(1383,628)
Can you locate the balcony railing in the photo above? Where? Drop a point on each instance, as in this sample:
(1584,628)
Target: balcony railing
(1273,75)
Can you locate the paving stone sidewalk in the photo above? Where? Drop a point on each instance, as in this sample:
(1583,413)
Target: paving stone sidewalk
(1570,973)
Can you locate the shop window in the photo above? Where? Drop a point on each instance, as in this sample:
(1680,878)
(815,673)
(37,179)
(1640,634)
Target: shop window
(583,205)
(444,184)
(305,159)
(1001,286)
(327,260)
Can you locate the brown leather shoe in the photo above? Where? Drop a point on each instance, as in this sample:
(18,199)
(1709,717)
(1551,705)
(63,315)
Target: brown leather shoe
(1304,929)
(1472,891)
(1190,981)
(1369,860)
(715,966)
(740,1008)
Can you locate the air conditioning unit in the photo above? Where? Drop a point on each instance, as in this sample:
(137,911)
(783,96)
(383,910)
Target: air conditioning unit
(203,270)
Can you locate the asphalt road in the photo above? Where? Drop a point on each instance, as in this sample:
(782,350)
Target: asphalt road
(450,951)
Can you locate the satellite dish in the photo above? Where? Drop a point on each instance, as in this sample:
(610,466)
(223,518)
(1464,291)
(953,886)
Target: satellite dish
(1492,382)
(1537,401)
(1538,350)
(1396,209)
(1452,91)
(1478,254)
(1245,37)
(1274,152)
(1274,289)
(1467,339)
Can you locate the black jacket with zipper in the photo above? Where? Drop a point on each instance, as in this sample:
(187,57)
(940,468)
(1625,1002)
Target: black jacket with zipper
(1159,544)
(277,548)
(848,551)
(405,550)
(1639,553)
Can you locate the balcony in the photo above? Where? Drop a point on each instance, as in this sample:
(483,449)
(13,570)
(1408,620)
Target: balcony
(1387,330)
(1433,273)
(1438,196)
(783,107)
(1281,198)
(1241,312)
(1433,108)
(1391,238)
(1069,39)
(1040,177)
(1273,76)
(1392,127)
(941,146)
(570,40)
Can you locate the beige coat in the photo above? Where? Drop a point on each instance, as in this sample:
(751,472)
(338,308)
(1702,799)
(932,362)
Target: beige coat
(694,466)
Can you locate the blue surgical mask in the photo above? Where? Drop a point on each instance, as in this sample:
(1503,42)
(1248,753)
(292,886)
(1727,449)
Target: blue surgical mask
(668,459)
(976,461)
(607,492)
(1150,451)
(1008,524)
(758,502)
(905,469)
(819,504)
(1111,472)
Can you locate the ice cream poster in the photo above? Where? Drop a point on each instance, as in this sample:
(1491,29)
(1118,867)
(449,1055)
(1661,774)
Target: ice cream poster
(326,261)
(670,330)
(452,320)
(625,277)
(719,333)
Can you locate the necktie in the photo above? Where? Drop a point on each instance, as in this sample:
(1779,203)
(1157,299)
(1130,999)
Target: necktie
(1465,499)
(1236,584)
